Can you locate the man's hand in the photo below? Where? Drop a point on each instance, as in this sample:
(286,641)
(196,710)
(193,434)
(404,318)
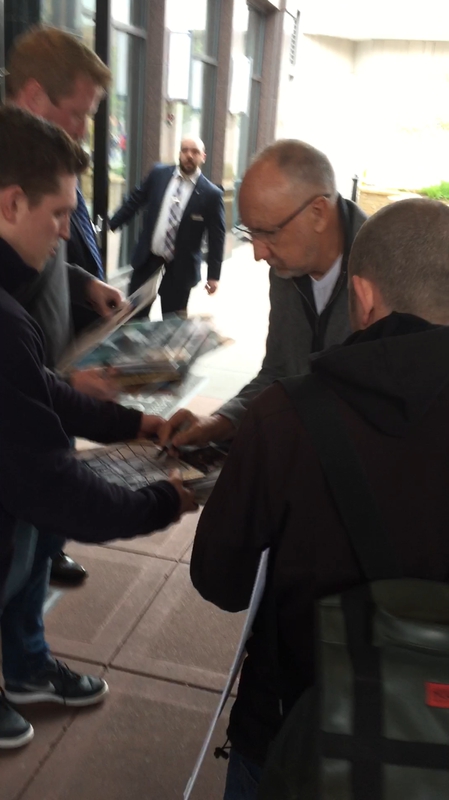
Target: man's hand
(98,383)
(186,496)
(104,299)
(185,428)
(150,426)
(211,286)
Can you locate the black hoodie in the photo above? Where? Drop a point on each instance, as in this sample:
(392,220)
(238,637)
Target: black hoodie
(392,383)
(40,480)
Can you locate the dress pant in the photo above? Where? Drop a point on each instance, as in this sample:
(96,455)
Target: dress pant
(174,298)
(24,649)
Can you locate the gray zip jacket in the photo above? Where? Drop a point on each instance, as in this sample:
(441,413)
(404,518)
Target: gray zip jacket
(295,330)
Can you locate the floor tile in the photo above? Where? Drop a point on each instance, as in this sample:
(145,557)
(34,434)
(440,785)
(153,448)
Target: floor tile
(170,544)
(182,637)
(92,620)
(142,744)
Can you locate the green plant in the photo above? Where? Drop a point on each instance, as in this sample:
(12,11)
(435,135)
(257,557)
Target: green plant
(440,192)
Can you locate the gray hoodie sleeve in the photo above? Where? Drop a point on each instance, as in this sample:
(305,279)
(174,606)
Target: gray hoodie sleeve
(78,280)
(287,350)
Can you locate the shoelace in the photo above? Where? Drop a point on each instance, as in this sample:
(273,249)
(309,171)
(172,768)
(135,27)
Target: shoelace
(65,674)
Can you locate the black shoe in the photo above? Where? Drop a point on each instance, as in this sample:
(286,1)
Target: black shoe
(65,569)
(15,731)
(58,684)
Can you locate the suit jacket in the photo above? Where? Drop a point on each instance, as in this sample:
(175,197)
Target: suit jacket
(204,213)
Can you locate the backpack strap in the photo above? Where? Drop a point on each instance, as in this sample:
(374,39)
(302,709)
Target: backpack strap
(358,509)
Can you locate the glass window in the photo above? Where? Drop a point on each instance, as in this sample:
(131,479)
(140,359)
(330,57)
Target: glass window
(125,136)
(121,11)
(191,111)
(78,18)
(248,29)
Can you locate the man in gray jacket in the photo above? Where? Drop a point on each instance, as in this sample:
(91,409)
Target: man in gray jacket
(304,229)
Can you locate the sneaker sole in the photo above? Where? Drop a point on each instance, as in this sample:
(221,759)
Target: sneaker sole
(17,741)
(19,698)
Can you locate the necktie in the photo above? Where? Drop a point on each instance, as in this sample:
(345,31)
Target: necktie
(82,215)
(174,218)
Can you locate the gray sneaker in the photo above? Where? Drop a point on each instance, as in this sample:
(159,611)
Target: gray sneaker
(15,731)
(58,684)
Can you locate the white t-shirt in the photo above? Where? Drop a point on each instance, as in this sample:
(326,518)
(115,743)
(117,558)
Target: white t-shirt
(160,229)
(322,289)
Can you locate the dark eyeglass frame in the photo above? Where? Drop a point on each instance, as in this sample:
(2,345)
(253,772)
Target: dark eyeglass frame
(270,236)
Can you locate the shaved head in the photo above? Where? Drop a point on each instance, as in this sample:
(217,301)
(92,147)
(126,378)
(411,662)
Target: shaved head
(403,250)
(195,140)
(191,155)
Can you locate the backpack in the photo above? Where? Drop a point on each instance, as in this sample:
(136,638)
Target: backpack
(375,724)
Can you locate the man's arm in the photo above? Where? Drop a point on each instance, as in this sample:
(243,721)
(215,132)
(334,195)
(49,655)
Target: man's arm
(41,481)
(216,234)
(79,279)
(132,204)
(185,428)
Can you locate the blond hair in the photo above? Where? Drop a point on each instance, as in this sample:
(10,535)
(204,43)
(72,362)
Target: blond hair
(55,59)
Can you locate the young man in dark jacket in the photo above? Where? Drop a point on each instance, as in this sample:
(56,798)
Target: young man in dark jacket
(41,483)
(391,379)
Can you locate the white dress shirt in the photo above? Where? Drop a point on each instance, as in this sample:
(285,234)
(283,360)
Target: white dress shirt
(322,290)
(187,186)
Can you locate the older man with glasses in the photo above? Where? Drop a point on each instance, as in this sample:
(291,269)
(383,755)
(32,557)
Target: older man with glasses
(304,229)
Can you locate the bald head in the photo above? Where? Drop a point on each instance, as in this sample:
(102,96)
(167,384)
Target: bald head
(403,250)
(301,164)
(290,186)
(191,155)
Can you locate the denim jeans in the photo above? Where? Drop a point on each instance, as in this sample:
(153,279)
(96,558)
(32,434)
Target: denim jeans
(24,648)
(242,779)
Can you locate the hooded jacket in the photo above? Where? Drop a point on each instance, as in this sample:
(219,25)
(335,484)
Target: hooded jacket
(392,387)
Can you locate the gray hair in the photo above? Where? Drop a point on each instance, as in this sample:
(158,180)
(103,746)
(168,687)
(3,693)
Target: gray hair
(404,250)
(302,163)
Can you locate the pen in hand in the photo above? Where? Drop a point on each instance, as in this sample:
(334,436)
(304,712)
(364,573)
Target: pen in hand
(164,451)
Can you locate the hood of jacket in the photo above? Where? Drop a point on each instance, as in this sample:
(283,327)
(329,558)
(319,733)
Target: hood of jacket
(391,373)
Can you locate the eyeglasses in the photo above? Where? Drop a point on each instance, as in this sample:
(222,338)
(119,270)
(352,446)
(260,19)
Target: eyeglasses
(270,236)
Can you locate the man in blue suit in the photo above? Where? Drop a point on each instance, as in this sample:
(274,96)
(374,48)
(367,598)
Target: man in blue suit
(180,205)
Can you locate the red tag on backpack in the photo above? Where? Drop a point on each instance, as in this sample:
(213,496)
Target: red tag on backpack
(437,695)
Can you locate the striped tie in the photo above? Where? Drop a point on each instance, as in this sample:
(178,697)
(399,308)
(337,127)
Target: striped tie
(174,218)
(82,215)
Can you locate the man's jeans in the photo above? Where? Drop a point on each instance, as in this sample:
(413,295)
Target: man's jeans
(24,649)
(243,778)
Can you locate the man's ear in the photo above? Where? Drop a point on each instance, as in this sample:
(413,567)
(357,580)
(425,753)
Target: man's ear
(321,211)
(364,292)
(34,98)
(12,201)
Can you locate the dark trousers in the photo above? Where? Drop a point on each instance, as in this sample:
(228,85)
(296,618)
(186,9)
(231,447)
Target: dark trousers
(242,779)
(25,651)
(174,298)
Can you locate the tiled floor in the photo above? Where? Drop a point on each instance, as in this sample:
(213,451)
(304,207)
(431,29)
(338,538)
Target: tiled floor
(164,651)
